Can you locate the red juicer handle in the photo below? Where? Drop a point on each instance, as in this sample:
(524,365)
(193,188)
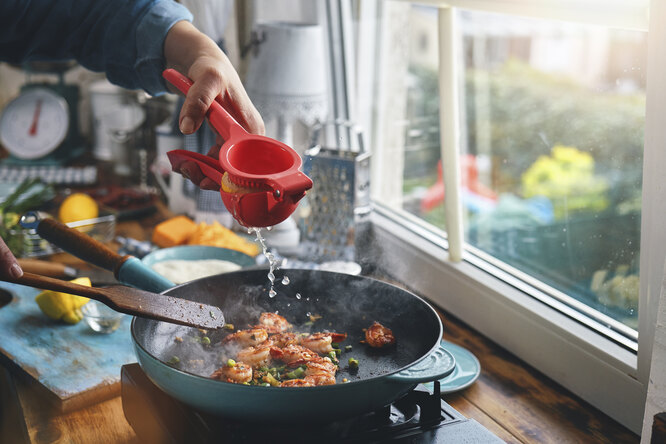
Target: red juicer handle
(293,185)
(209,166)
(217,115)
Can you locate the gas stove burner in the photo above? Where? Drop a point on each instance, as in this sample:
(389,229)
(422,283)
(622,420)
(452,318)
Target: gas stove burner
(418,417)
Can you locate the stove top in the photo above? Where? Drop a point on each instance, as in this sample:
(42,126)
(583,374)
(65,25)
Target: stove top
(418,417)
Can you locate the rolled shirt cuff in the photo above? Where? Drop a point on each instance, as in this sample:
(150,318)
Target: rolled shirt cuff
(150,36)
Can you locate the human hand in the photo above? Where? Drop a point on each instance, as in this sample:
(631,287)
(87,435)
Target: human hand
(9,267)
(199,58)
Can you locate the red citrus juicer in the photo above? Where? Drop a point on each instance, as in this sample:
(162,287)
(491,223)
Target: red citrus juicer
(251,162)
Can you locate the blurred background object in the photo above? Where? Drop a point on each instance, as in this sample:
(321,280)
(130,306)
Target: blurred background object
(286,76)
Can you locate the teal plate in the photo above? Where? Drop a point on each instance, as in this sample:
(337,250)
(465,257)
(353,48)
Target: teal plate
(466,372)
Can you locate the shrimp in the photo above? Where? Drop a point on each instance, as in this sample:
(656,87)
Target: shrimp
(318,371)
(247,338)
(321,342)
(237,373)
(255,356)
(379,336)
(321,379)
(315,366)
(273,323)
(293,352)
(282,339)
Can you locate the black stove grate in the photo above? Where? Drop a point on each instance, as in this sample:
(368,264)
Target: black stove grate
(417,417)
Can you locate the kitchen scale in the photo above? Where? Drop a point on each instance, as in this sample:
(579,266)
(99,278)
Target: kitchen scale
(40,126)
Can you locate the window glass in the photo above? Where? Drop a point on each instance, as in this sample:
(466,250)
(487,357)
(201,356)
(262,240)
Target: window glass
(552,117)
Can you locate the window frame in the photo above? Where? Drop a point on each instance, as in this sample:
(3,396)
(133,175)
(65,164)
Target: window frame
(487,297)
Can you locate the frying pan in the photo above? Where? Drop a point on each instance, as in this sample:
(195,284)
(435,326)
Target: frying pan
(346,304)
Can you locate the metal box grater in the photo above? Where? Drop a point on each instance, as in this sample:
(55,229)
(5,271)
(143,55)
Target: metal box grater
(339,201)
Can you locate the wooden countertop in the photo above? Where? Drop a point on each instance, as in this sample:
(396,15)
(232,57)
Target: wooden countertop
(511,399)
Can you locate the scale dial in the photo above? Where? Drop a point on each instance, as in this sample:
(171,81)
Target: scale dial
(34,124)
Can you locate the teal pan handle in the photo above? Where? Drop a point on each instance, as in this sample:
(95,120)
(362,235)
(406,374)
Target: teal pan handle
(137,274)
(437,365)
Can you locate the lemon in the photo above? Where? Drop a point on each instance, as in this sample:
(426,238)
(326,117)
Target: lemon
(62,306)
(78,206)
(229,187)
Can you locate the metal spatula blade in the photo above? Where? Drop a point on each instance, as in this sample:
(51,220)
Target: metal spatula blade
(135,302)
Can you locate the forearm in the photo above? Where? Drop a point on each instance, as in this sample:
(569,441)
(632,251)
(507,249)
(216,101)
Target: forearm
(124,38)
(184,44)
(195,55)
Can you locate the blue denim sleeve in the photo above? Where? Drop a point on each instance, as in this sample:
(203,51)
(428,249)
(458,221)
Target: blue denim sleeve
(123,38)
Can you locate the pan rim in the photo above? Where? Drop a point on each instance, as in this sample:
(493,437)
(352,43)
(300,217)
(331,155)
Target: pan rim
(186,373)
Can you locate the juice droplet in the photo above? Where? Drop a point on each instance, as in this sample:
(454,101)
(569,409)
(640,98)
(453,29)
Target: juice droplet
(272,293)
(285,280)
(298,296)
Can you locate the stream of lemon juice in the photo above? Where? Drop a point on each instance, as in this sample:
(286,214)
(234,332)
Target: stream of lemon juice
(273,263)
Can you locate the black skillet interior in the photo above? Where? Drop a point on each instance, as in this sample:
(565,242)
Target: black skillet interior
(346,304)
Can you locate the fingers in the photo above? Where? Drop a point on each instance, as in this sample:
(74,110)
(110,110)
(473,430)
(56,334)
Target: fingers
(190,170)
(213,79)
(9,267)
(204,89)
(239,105)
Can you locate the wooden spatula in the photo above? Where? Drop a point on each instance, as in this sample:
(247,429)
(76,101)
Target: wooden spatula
(134,302)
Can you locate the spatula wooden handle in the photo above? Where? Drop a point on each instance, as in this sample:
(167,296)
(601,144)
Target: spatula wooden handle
(80,245)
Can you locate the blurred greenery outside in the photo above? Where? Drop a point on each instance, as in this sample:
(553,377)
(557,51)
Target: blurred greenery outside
(580,151)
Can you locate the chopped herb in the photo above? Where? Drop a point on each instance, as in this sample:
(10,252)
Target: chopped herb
(296,374)
(271,380)
(308,324)
(212,315)
(205,340)
(174,360)
(229,327)
(337,352)
(348,348)
(231,363)
(353,363)
(335,345)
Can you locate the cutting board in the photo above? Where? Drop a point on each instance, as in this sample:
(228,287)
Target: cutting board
(75,366)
